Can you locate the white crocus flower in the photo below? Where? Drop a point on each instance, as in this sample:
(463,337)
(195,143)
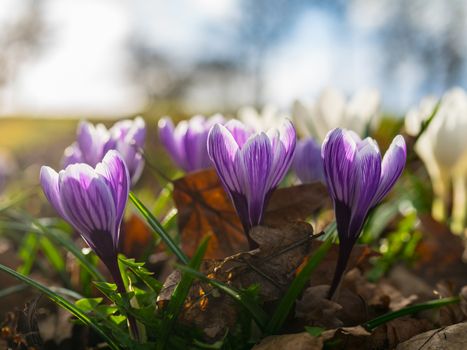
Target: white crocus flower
(443,149)
(269,117)
(331,110)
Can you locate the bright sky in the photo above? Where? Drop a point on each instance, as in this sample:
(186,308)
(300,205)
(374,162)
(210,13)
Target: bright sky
(84,68)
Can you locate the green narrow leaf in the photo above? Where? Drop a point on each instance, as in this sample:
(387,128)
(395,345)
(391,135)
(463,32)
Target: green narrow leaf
(61,237)
(27,252)
(253,308)
(432,304)
(299,282)
(180,294)
(157,227)
(62,302)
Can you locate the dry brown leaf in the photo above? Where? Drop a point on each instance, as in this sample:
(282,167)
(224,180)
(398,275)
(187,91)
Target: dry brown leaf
(349,338)
(273,265)
(296,203)
(440,254)
(325,270)
(316,309)
(299,341)
(204,208)
(463,303)
(449,338)
(136,237)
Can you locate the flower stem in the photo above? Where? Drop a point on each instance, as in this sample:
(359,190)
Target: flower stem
(342,260)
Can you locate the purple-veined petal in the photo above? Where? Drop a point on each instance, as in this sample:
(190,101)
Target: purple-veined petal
(363,181)
(391,168)
(72,155)
(307,163)
(113,169)
(171,141)
(87,201)
(49,181)
(253,162)
(338,152)
(283,150)
(195,144)
(239,131)
(222,149)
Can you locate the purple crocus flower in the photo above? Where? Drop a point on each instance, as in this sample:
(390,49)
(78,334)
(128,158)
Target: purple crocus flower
(251,166)
(307,163)
(357,179)
(186,143)
(92,200)
(93,142)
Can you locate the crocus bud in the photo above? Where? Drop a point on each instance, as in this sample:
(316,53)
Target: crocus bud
(251,166)
(331,110)
(307,163)
(92,200)
(94,141)
(186,143)
(357,180)
(443,149)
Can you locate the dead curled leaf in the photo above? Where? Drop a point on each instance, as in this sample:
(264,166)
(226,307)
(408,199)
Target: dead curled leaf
(449,338)
(434,263)
(204,208)
(272,266)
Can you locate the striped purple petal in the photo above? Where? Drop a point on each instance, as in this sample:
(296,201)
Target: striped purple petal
(357,179)
(49,183)
(250,166)
(222,148)
(253,163)
(116,175)
(391,168)
(307,163)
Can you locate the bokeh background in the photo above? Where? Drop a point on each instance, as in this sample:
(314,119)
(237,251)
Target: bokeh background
(63,60)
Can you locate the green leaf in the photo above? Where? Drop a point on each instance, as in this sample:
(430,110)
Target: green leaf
(78,313)
(180,294)
(88,304)
(282,310)
(432,304)
(27,252)
(58,236)
(253,308)
(314,331)
(157,228)
(142,273)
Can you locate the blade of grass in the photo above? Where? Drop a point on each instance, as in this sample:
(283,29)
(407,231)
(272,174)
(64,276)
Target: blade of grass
(61,238)
(282,310)
(157,227)
(432,304)
(180,293)
(27,252)
(62,302)
(253,308)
